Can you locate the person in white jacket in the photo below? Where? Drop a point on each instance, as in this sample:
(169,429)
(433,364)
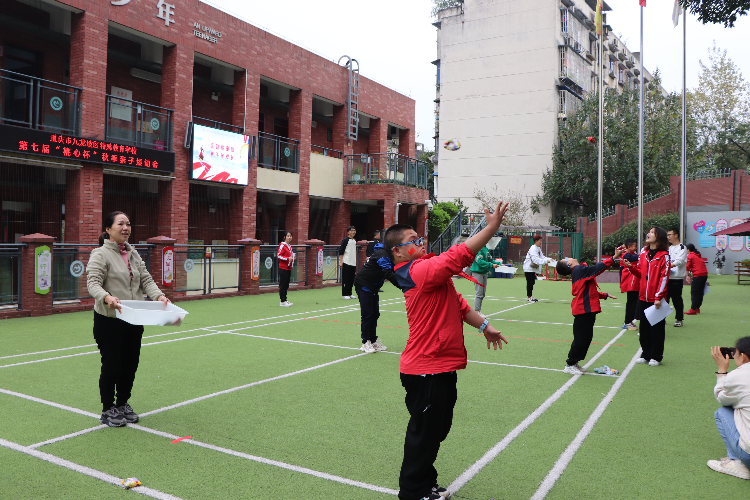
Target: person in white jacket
(732,391)
(533,264)
(678,254)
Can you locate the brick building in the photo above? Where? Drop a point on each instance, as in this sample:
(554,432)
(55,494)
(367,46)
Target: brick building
(96,105)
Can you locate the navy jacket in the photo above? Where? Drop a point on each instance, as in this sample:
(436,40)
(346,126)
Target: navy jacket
(378,268)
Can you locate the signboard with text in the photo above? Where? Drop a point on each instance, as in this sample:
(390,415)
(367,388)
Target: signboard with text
(39,143)
(219,155)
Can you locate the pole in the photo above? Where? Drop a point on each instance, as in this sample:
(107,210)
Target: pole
(600,174)
(683,163)
(640,145)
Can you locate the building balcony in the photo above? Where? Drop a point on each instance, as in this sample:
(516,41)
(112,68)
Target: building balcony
(574,70)
(386,168)
(629,63)
(138,124)
(39,104)
(326,173)
(621,56)
(278,153)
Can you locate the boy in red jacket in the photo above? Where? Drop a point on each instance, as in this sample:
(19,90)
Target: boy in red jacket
(585,306)
(696,278)
(435,348)
(629,283)
(653,270)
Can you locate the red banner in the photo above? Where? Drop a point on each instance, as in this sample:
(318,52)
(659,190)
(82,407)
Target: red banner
(167,266)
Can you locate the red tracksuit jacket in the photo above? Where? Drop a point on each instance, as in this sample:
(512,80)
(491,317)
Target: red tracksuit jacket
(435,311)
(696,265)
(629,282)
(654,275)
(285,256)
(586,294)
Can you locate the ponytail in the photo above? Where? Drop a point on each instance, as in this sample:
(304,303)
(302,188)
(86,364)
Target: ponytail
(102,237)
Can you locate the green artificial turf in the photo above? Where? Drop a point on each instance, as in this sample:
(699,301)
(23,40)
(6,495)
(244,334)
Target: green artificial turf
(348,418)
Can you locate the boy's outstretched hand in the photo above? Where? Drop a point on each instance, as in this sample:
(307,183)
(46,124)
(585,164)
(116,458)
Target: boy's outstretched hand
(493,336)
(495,218)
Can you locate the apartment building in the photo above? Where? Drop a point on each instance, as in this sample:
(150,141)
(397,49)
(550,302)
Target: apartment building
(507,72)
(200,126)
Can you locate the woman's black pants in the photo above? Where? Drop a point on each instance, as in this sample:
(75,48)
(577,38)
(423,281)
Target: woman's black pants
(530,279)
(120,347)
(285,276)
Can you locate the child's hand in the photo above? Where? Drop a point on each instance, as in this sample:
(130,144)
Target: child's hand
(657,304)
(611,296)
(626,263)
(494,337)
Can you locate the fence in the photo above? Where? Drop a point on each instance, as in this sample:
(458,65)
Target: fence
(388,168)
(449,236)
(335,153)
(10,275)
(269,268)
(207,269)
(278,153)
(69,263)
(331,269)
(138,124)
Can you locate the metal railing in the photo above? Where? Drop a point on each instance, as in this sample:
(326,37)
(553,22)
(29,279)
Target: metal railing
(448,237)
(69,261)
(139,124)
(10,274)
(39,104)
(278,153)
(574,68)
(207,269)
(326,151)
(650,197)
(709,174)
(331,269)
(220,125)
(606,212)
(386,168)
(269,267)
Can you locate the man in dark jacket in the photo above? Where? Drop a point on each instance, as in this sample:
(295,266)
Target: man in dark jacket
(368,281)
(585,306)
(371,245)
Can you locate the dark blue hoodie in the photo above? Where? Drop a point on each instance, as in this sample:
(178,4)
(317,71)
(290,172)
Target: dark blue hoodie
(378,268)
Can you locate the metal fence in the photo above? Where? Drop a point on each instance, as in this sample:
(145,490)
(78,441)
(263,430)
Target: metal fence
(331,269)
(278,153)
(388,168)
(69,263)
(335,153)
(207,269)
(269,266)
(139,124)
(10,274)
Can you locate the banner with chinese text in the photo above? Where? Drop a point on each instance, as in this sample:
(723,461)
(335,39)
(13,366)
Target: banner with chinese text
(219,155)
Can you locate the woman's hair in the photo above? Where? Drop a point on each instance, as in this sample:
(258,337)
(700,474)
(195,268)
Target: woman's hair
(108,222)
(691,247)
(537,237)
(743,346)
(662,242)
(287,232)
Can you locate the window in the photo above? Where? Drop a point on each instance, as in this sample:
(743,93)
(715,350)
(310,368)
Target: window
(329,134)
(262,122)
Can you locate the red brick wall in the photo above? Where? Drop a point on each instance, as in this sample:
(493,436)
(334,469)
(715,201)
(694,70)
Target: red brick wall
(271,112)
(118,75)
(205,107)
(319,135)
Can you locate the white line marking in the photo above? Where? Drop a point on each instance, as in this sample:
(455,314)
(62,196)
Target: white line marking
(286,321)
(570,451)
(532,367)
(50,403)
(234,389)
(87,471)
(547,323)
(477,466)
(283,465)
(291,341)
(506,310)
(67,436)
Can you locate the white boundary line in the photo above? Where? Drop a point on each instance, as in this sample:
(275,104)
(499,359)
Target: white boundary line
(295,341)
(493,452)
(67,436)
(566,456)
(282,465)
(49,403)
(547,323)
(252,384)
(87,471)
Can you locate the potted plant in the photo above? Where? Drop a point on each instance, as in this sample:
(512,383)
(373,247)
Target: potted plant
(357,174)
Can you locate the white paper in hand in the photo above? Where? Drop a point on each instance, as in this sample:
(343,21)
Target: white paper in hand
(552,263)
(706,289)
(654,315)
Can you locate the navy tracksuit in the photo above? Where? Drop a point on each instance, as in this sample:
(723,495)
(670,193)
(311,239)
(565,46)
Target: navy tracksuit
(367,283)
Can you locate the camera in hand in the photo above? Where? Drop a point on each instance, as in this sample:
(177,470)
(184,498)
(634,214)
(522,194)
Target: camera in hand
(727,351)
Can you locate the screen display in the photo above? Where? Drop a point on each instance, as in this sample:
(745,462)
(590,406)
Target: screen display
(220,156)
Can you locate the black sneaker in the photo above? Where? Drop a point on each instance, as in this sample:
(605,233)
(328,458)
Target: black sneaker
(678,323)
(128,414)
(112,418)
(432,496)
(442,492)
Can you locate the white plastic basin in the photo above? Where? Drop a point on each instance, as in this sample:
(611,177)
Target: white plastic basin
(143,312)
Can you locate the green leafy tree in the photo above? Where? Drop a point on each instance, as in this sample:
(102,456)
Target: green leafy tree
(717,11)
(440,216)
(570,187)
(720,106)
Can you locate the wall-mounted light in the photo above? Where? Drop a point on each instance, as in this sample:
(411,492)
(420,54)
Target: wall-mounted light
(215,95)
(212,209)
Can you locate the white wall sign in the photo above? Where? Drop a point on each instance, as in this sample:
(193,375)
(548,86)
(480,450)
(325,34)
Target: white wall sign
(269,262)
(121,110)
(166,11)
(77,268)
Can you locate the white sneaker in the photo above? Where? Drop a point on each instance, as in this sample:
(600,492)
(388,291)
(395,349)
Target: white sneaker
(367,347)
(653,362)
(346,297)
(532,299)
(286,304)
(352,296)
(641,361)
(378,345)
(732,467)
(573,370)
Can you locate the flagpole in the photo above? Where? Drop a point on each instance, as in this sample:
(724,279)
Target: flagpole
(600,171)
(683,165)
(640,145)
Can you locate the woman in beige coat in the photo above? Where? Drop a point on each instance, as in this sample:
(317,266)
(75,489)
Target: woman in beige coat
(115,271)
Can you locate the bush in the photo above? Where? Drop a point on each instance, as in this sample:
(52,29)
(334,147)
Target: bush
(437,222)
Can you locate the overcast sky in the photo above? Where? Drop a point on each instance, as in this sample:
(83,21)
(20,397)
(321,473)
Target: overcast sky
(394,40)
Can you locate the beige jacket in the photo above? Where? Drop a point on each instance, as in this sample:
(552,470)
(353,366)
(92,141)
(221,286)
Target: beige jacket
(734,390)
(107,274)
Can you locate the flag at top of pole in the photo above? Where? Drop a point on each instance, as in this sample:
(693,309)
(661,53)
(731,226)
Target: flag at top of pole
(642,2)
(676,13)
(599,17)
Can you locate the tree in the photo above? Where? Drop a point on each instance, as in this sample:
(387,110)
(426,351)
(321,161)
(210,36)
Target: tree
(440,216)
(518,207)
(717,11)
(438,5)
(720,106)
(570,187)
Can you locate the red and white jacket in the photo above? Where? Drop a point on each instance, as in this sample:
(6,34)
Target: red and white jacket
(629,282)
(285,256)
(654,275)
(695,265)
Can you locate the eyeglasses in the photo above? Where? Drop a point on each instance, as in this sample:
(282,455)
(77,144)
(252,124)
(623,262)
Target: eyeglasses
(418,242)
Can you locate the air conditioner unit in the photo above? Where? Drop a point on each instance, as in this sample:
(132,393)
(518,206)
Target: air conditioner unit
(145,75)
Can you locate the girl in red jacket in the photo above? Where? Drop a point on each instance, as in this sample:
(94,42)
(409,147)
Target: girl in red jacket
(653,271)
(697,276)
(286,260)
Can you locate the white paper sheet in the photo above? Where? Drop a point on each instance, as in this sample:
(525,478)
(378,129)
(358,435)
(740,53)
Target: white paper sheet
(706,289)
(552,263)
(654,315)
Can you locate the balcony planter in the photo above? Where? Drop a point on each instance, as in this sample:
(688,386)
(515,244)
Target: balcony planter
(356,177)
